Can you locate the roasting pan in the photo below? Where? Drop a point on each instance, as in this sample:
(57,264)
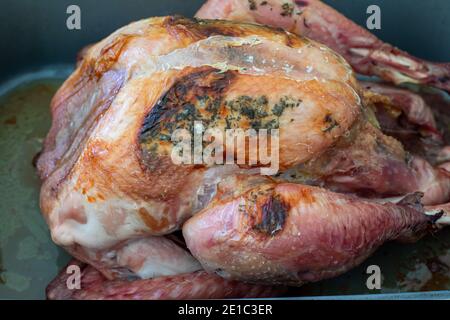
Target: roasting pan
(38,52)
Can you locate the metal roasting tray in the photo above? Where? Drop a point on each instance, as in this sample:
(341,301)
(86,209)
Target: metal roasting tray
(38,53)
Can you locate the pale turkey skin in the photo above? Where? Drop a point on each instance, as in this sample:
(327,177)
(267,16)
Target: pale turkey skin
(111,193)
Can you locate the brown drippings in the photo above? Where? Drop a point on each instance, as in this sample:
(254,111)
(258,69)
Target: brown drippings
(11,121)
(440,275)
(151,222)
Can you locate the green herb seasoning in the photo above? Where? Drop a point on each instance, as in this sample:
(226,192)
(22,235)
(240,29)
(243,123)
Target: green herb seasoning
(186,103)
(283,104)
(287,9)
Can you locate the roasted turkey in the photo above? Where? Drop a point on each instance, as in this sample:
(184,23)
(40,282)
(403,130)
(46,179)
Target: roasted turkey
(114,198)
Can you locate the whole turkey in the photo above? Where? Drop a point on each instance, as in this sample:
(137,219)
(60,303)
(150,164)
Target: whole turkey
(114,197)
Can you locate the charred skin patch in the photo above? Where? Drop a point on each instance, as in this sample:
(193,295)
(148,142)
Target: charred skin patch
(252,4)
(203,87)
(265,211)
(196,96)
(329,123)
(201,96)
(274,212)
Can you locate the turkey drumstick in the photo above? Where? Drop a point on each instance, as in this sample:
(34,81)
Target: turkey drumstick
(292,234)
